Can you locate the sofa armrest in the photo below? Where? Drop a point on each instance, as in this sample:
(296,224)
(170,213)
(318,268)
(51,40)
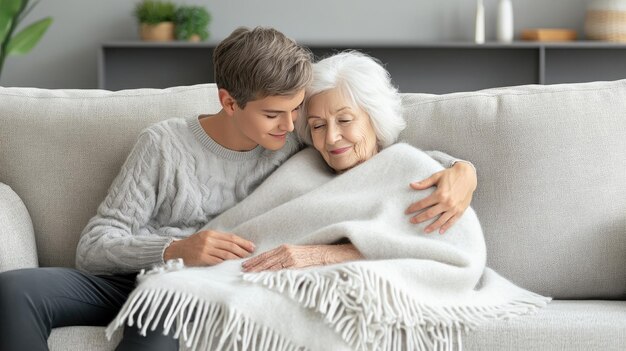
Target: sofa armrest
(17,237)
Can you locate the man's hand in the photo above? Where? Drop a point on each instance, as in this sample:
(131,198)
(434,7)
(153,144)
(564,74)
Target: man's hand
(209,247)
(455,188)
(297,256)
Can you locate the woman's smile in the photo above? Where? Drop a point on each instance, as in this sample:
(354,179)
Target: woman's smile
(340,150)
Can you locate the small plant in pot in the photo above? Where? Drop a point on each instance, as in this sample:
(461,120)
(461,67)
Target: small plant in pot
(192,23)
(156,20)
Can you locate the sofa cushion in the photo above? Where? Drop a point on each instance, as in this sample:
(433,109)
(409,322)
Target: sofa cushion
(82,339)
(61,149)
(17,238)
(551,163)
(563,325)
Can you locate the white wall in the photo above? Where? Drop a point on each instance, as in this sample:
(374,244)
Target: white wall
(67,55)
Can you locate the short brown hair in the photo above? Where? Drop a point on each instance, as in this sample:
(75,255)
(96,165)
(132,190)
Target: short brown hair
(254,63)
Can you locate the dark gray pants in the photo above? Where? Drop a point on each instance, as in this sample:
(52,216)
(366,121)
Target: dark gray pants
(33,301)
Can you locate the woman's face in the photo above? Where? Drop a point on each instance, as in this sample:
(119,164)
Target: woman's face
(341,132)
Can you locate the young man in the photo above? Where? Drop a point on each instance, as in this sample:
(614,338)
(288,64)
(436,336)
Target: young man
(179,175)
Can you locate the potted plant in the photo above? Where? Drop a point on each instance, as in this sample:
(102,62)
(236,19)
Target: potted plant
(156,20)
(191,23)
(12,12)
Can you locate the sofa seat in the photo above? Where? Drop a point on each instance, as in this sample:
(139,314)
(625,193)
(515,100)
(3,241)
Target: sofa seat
(81,339)
(563,325)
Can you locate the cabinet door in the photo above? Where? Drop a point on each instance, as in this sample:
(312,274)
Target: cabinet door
(572,65)
(155,67)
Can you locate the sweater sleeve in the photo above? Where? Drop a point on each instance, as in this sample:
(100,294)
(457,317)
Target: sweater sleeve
(117,239)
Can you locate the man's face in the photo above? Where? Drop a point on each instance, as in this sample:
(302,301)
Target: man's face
(267,121)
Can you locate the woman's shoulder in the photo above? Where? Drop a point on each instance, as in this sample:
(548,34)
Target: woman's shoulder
(403,149)
(405,154)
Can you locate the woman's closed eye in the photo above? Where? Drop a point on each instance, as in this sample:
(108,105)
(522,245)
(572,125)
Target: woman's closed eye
(318,126)
(344,118)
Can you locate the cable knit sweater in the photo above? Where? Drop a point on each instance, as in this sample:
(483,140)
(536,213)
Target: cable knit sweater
(175,180)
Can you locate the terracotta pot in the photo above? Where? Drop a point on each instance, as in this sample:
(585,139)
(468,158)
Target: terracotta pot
(163,31)
(194,38)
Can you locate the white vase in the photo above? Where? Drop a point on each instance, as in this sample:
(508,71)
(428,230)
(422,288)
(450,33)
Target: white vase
(505,21)
(479,36)
(504,32)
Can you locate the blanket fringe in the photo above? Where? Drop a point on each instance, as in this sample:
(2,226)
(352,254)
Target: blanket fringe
(370,314)
(201,325)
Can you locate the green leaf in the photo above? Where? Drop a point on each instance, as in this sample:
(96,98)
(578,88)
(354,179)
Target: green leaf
(8,10)
(11,7)
(24,41)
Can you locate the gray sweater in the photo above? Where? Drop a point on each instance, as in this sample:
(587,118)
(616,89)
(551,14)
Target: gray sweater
(175,180)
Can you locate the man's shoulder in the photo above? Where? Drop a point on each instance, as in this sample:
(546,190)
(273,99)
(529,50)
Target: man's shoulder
(167,130)
(159,135)
(167,126)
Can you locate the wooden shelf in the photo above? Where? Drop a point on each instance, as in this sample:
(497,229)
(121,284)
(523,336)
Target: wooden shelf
(422,67)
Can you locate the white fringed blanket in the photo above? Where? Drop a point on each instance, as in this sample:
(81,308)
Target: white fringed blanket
(414,291)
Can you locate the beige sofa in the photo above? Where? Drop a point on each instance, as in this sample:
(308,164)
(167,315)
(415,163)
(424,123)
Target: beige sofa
(551,163)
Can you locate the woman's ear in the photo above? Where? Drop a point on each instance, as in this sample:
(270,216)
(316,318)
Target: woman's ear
(227,101)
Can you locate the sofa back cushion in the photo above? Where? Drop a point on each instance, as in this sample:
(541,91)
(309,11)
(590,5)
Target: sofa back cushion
(551,163)
(61,149)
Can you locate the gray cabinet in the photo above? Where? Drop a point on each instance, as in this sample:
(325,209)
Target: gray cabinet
(428,68)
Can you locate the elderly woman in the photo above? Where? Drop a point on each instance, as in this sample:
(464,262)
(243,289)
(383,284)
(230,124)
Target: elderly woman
(352,111)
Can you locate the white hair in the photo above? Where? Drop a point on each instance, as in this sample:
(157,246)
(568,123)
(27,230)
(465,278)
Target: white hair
(364,80)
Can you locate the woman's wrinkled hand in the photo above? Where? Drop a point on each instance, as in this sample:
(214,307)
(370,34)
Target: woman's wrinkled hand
(300,256)
(455,188)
